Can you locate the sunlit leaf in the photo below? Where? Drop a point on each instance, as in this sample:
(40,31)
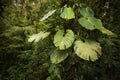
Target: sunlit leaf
(39,36)
(88,50)
(68,13)
(47,15)
(62,40)
(58,56)
(86,12)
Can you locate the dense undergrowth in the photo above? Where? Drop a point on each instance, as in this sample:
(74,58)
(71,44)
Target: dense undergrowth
(22,60)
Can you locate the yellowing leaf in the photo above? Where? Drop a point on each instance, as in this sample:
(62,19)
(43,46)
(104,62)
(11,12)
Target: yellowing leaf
(62,40)
(39,36)
(68,13)
(58,56)
(88,50)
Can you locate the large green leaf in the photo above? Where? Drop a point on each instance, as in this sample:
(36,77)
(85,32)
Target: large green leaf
(88,50)
(86,23)
(86,12)
(68,13)
(96,22)
(62,40)
(90,23)
(58,56)
(37,37)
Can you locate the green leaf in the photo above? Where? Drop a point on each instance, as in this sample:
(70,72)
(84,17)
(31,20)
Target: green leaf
(108,32)
(47,15)
(68,13)
(58,56)
(86,12)
(88,50)
(39,36)
(90,23)
(62,40)
(86,23)
(96,22)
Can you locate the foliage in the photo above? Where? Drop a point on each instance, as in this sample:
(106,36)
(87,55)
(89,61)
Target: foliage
(67,13)
(64,41)
(88,50)
(73,41)
(39,36)
(58,56)
(47,15)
